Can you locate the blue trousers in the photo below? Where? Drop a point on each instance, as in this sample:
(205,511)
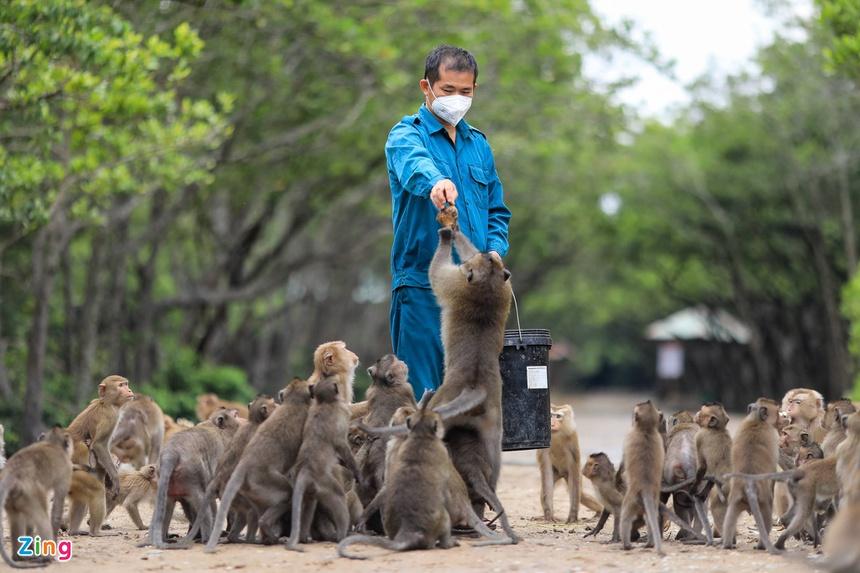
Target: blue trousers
(416,336)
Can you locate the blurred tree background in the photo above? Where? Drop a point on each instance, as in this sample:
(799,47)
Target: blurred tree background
(194,194)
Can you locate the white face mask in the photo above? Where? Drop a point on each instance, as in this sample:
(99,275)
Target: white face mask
(451,108)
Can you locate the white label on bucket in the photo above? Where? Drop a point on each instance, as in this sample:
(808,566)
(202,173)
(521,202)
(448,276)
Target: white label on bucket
(537,378)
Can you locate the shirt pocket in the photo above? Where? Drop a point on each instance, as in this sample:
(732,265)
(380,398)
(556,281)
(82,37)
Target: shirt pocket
(482,183)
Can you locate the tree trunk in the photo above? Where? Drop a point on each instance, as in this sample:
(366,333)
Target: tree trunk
(89,321)
(44,267)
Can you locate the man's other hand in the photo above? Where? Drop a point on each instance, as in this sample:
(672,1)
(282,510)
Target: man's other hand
(443,191)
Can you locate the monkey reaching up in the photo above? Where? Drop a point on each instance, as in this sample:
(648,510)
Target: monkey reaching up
(29,477)
(643,468)
(562,461)
(754,451)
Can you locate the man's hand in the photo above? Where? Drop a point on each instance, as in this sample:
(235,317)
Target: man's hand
(443,191)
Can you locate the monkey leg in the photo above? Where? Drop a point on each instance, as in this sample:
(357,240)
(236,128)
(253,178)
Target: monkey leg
(674,518)
(76,516)
(801,516)
(656,533)
(371,508)
(574,489)
(627,514)
(301,487)
(134,513)
(445,539)
(57,509)
(235,529)
(547,485)
(251,531)
(97,514)
(763,526)
(483,489)
(702,514)
(730,523)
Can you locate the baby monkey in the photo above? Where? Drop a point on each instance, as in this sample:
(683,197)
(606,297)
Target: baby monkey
(135,487)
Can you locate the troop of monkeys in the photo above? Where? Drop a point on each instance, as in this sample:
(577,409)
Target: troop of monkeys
(314,465)
(694,459)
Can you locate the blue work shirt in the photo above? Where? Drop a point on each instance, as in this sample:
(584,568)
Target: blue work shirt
(419,154)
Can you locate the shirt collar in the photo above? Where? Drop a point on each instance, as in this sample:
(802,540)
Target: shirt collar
(434,125)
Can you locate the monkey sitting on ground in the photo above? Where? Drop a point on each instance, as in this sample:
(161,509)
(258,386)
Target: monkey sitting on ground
(419,504)
(713,451)
(135,487)
(808,453)
(389,390)
(562,461)
(259,410)
(643,468)
(29,477)
(314,475)
(805,407)
(186,465)
(260,476)
(754,451)
(833,423)
(139,432)
(208,404)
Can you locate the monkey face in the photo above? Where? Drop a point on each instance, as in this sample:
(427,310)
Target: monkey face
(712,415)
(561,418)
(334,358)
(388,370)
(598,466)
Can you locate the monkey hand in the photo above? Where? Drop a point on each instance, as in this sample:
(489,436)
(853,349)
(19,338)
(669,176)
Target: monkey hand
(447,216)
(446,234)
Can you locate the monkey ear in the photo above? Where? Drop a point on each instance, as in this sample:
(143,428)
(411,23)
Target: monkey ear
(712,423)
(750,408)
(102,390)
(844,421)
(762,414)
(311,390)
(409,423)
(264,409)
(328,357)
(507,274)
(469,275)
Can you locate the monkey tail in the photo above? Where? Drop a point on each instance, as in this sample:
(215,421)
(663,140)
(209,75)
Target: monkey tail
(778,476)
(4,490)
(166,465)
(653,522)
(384,542)
(230,490)
(301,485)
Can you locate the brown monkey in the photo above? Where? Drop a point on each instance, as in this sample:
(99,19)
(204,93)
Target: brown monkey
(805,407)
(754,451)
(172,426)
(186,465)
(260,475)
(315,475)
(679,465)
(422,496)
(562,461)
(139,432)
(86,491)
(840,540)
(134,487)
(807,453)
(475,299)
(30,475)
(833,424)
(389,390)
(713,450)
(334,359)
(813,487)
(848,457)
(643,467)
(792,438)
(600,470)
(208,404)
(259,409)
(96,424)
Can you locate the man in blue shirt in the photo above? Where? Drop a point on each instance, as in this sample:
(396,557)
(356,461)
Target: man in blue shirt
(435,157)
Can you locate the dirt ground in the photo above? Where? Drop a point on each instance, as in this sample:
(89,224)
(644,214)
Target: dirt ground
(546,546)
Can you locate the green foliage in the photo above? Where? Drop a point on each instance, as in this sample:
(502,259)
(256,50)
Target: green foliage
(842,17)
(185,376)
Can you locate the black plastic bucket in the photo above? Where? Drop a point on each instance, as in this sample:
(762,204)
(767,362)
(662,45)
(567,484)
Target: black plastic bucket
(525,389)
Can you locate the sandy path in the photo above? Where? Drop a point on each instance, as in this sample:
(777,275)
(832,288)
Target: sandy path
(547,546)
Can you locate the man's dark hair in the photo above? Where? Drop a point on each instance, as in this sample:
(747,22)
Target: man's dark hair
(453,58)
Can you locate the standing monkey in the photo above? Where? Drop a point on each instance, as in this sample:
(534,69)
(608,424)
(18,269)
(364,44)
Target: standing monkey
(713,449)
(139,432)
(833,418)
(96,425)
(29,477)
(135,487)
(600,470)
(755,451)
(562,461)
(643,469)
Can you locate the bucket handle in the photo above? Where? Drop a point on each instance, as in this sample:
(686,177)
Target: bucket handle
(521,345)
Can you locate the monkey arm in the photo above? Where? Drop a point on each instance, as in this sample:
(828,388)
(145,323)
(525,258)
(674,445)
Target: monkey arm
(104,459)
(442,256)
(348,460)
(398,430)
(464,246)
(359,410)
(604,515)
